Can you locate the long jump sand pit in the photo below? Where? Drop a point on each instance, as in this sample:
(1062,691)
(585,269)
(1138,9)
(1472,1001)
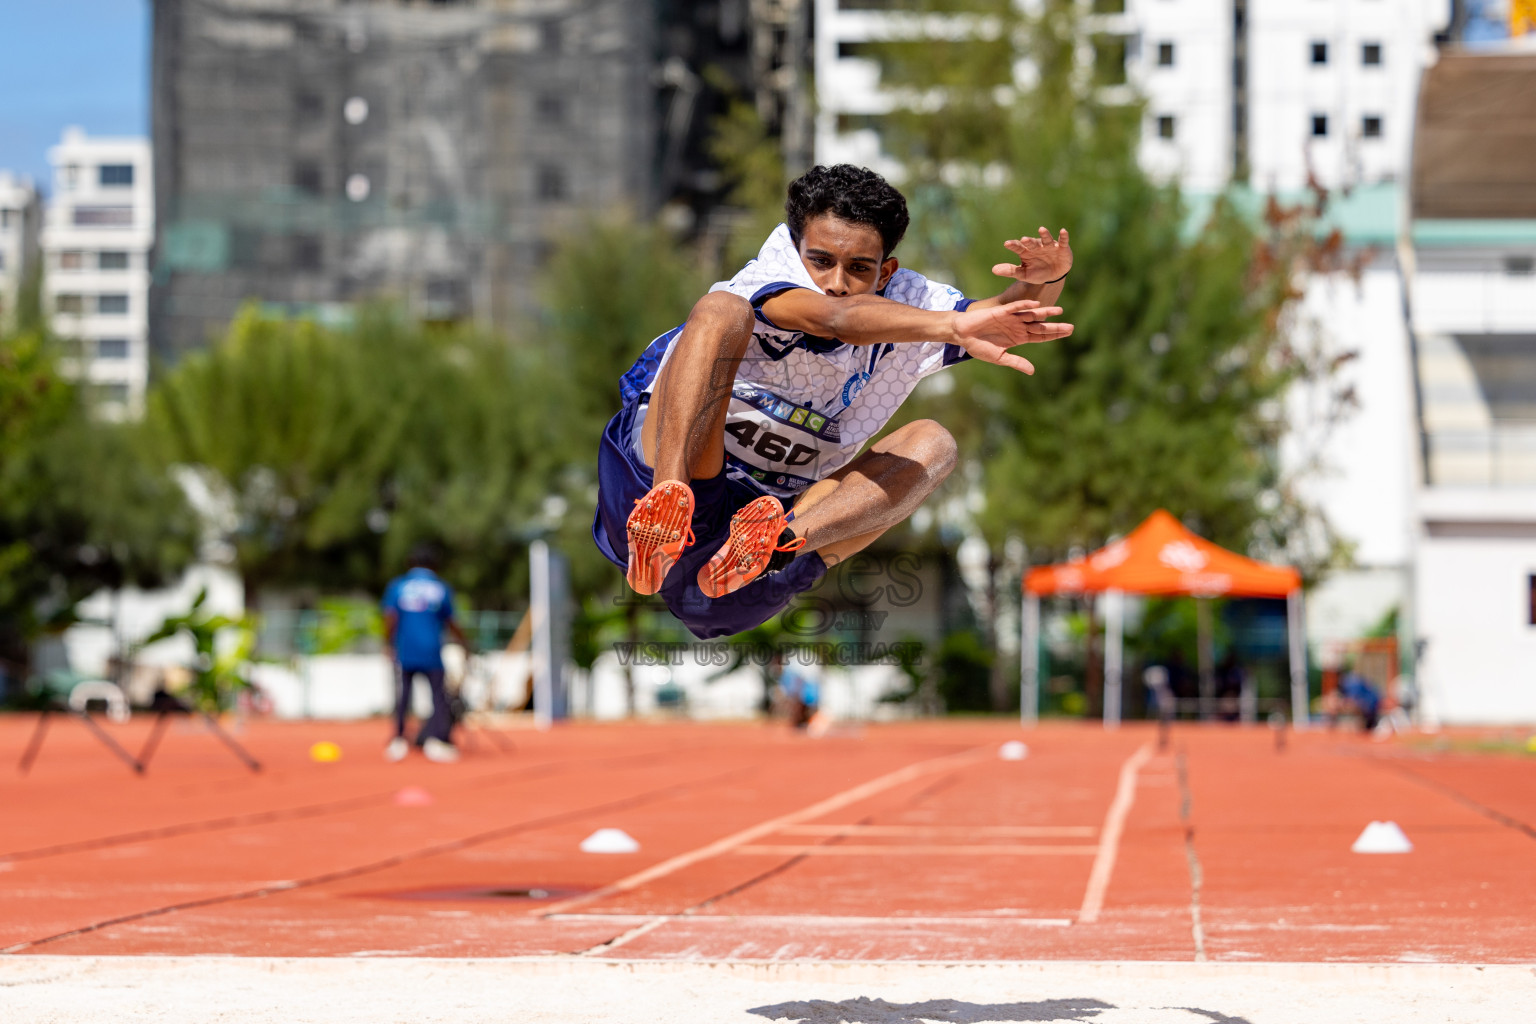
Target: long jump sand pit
(883,873)
(561,991)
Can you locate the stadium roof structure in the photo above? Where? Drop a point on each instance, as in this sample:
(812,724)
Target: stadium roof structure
(1162,557)
(1159,557)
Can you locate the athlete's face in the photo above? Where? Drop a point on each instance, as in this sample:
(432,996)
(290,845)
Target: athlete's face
(842,257)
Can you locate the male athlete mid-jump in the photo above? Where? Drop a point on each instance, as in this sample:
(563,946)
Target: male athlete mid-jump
(732,477)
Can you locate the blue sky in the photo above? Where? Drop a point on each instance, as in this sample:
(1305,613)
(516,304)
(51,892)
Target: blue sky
(66,62)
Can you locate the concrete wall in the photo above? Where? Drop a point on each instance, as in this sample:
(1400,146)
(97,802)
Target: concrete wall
(1473,604)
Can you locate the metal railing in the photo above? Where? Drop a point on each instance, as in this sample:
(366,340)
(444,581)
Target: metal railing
(282,634)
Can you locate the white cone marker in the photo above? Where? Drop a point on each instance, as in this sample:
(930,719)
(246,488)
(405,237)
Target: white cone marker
(1013,750)
(1382,837)
(609,840)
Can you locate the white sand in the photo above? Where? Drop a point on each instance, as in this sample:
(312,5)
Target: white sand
(572,990)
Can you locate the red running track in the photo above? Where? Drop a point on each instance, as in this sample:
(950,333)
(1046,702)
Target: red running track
(907,841)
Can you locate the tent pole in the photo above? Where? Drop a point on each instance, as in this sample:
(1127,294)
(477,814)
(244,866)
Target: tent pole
(1114,644)
(1029,661)
(1296,628)
(1206,656)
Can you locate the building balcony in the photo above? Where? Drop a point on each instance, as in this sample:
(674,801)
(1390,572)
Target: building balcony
(1500,456)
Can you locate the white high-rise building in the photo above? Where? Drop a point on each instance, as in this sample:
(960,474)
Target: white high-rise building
(1246,91)
(96,242)
(1332,84)
(18,240)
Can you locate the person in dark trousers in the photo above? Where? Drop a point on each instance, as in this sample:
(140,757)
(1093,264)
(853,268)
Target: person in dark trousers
(417,607)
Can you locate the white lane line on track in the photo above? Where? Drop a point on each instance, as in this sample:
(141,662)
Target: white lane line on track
(627,936)
(918,850)
(1021,831)
(650,921)
(837,801)
(1109,836)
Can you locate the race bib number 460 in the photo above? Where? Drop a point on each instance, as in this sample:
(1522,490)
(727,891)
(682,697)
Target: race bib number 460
(769,446)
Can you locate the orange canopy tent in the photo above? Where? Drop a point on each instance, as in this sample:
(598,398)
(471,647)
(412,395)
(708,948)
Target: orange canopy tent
(1159,557)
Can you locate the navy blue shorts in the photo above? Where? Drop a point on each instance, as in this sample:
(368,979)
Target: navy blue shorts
(623,479)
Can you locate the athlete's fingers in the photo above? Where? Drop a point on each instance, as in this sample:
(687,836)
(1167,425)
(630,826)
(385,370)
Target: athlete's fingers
(1005,269)
(1014,362)
(1064,239)
(1018,306)
(1041,313)
(1045,236)
(1048,331)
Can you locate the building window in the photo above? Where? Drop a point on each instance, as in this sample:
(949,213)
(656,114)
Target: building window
(1165,126)
(103,217)
(69,305)
(309,105)
(1319,53)
(1519,266)
(70,176)
(112,348)
(307,253)
(1165,55)
(551,37)
(5,218)
(114,393)
(1109,53)
(112,305)
(306,177)
(1319,126)
(1370,126)
(551,183)
(1530,617)
(549,108)
(110,260)
(114,175)
(1370,54)
(71,259)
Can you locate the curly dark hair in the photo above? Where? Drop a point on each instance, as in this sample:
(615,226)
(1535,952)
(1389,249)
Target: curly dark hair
(855,194)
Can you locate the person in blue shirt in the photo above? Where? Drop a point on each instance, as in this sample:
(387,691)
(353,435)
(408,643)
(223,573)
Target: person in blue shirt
(802,694)
(417,607)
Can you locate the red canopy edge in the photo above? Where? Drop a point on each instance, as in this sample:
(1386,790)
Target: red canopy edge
(1161,557)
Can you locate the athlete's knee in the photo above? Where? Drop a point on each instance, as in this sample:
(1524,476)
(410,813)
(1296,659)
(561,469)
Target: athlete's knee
(934,447)
(723,314)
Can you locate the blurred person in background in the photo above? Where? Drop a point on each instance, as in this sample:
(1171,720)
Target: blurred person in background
(802,695)
(1355,696)
(417,607)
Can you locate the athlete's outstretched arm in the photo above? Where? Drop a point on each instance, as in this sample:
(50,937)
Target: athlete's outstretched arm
(1043,262)
(985,333)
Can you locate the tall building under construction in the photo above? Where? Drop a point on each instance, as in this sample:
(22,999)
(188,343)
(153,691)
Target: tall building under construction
(311,154)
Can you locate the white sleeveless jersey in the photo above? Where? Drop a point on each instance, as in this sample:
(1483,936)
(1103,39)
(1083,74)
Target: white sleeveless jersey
(802,407)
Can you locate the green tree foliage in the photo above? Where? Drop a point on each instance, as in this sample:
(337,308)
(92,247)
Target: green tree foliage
(328,454)
(84,504)
(1167,394)
(223,648)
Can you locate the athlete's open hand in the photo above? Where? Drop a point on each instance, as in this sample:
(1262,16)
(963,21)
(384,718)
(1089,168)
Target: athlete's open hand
(1042,259)
(988,333)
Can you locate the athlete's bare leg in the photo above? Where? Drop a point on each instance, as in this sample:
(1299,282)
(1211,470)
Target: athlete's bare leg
(882,487)
(683,437)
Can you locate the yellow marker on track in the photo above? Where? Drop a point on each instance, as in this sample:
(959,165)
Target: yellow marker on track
(325,752)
